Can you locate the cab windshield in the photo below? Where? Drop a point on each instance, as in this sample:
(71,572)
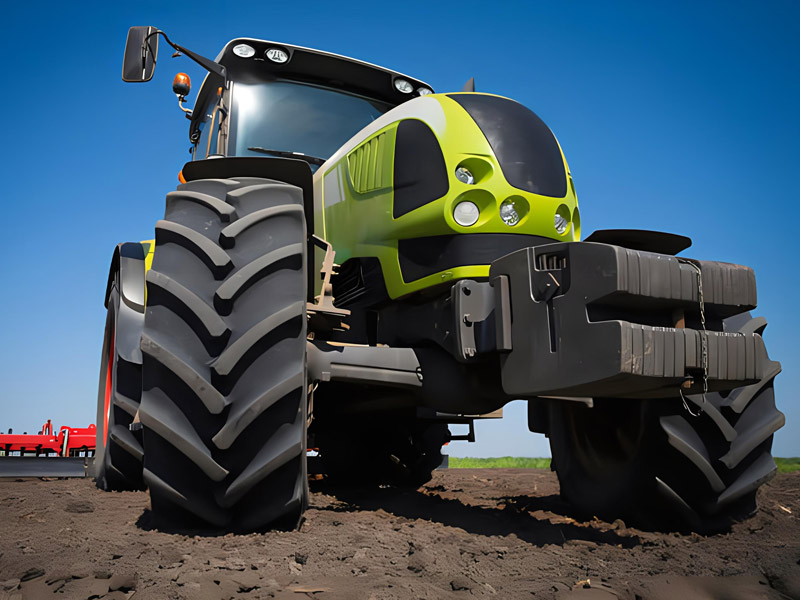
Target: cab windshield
(287,116)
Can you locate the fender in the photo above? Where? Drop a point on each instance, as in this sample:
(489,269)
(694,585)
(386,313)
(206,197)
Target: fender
(127,274)
(129,262)
(288,170)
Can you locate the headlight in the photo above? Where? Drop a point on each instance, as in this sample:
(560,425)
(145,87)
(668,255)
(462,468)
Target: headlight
(244,50)
(464,175)
(466,213)
(277,55)
(561,224)
(509,213)
(403,86)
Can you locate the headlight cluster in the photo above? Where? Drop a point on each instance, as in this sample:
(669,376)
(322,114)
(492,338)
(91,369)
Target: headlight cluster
(512,210)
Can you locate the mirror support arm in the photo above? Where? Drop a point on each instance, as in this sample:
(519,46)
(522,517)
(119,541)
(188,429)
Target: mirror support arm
(208,65)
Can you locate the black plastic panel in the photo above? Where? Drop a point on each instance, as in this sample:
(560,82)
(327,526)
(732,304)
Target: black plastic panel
(421,257)
(642,239)
(287,170)
(525,147)
(420,174)
(359,282)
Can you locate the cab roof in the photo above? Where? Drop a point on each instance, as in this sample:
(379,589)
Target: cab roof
(312,66)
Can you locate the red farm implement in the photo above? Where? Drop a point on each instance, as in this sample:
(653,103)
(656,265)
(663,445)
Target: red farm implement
(67,453)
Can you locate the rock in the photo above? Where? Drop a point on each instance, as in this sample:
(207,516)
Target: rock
(416,564)
(32,573)
(247,581)
(270,585)
(84,588)
(124,582)
(295,568)
(9,584)
(79,507)
(102,574)
(300,558)
(460,583)
(58,576)
(36,589)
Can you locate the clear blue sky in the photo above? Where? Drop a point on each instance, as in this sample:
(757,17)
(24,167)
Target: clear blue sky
(678,116)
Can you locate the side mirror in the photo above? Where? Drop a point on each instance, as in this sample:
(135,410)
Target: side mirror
(141,51)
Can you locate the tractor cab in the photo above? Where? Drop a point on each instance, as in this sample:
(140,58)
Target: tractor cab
(263,98)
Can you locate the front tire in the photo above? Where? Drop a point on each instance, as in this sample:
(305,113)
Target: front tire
(118,454)
(224,401)
(652,463)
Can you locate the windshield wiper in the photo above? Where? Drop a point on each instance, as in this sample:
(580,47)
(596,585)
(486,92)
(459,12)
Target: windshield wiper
(286,154)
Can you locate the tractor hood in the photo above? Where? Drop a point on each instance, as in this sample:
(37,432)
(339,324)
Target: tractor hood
(409,186)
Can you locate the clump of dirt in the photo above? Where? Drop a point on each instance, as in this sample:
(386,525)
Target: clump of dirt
(469,532)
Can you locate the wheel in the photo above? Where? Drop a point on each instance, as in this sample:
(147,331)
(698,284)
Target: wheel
(653,464)
(364,450)
(224,342)
(118,454)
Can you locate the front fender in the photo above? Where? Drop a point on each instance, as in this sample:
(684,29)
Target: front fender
(128,271)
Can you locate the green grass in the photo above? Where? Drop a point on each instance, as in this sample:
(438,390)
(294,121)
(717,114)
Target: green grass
(505,462)
(785,465)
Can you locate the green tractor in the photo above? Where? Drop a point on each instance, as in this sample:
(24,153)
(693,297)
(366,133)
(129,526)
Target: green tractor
(353,262)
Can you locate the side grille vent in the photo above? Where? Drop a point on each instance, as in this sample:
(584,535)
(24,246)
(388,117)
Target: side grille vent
(365,163)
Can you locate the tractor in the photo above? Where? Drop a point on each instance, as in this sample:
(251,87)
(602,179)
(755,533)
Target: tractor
(352,263)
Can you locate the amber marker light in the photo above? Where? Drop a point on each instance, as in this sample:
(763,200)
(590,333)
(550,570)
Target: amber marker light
(181,85)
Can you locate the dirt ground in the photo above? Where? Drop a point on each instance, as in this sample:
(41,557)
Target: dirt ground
(469,532)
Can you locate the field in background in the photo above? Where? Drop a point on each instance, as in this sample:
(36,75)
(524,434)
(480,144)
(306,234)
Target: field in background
(504,462)
(785,465)
(788,464)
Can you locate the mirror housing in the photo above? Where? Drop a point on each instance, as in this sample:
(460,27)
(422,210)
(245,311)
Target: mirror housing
(139,62)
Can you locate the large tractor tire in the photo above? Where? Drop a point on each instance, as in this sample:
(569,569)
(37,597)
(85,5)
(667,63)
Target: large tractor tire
(118,454)
(403,453)
(654,464)
(224,371)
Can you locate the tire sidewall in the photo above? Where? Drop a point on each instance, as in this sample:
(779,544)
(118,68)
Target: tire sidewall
(102,453)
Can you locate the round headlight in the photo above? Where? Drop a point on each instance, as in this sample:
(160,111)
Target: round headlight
(561,224)
(509,213)
(464,175)
(466,213)
(423,91)
(403,86)
(244,50)
(277,55)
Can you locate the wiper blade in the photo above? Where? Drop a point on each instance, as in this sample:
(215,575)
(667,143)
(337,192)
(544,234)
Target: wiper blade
(314,160)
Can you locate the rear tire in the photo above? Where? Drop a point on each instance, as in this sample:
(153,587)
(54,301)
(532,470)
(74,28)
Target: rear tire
(118,454)
(652,463)
(224,401)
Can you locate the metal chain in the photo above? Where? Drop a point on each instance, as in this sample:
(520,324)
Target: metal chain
(703,343)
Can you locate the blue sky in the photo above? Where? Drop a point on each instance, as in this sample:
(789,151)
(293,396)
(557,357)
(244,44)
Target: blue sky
(678,116)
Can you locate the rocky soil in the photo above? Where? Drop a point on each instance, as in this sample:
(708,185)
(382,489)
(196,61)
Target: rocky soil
(500,533)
